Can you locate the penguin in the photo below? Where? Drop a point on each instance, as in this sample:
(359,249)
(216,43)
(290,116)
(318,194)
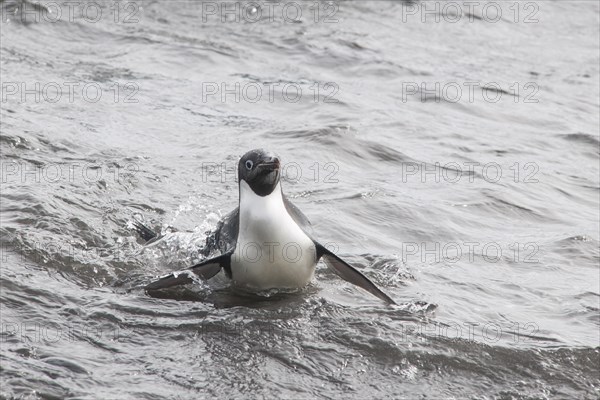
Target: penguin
(266,242)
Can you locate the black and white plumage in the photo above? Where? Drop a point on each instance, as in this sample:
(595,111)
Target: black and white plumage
(266,242)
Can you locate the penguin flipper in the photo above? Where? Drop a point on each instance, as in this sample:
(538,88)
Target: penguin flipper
(150,236)
(145,233)
(350,274)
(205,270)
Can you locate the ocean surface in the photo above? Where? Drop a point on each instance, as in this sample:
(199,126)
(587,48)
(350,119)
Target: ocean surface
(449,150)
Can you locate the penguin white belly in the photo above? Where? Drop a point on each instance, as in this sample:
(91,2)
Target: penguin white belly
(272,251)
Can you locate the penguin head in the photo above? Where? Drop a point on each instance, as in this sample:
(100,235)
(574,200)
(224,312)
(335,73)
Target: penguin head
(260,170)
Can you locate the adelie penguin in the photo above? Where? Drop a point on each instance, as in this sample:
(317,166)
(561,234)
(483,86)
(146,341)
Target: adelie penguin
(265,243)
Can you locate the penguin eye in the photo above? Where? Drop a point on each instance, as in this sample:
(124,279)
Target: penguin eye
(249,164)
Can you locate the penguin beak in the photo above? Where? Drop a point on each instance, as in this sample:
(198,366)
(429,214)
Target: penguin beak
(270,164)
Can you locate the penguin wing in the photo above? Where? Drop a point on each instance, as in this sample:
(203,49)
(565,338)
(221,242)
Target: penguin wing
(350,274)
(145,233)
(224,237)
(205,270)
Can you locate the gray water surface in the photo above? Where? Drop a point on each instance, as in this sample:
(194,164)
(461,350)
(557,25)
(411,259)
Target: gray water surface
(473,203)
